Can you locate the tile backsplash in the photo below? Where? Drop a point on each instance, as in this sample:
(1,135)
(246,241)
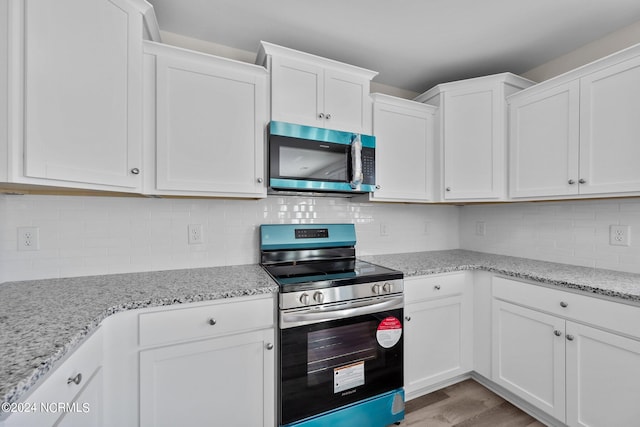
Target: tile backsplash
(571,232)
(82,236)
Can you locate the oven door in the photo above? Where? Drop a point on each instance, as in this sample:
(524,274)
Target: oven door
(337,354)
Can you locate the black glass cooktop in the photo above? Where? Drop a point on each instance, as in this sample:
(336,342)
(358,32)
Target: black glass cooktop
(323,274)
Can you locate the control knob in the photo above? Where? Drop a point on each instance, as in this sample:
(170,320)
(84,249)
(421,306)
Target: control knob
(376,288)
(318,297)
(387,287)
(304,299)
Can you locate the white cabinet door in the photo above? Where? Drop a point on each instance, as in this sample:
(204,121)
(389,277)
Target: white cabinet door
(314,91)
(347,105)
(473,144)
(544,142)
(602,378)
(609,129)
(77,121)
(87,411)
(434,342)
(297,94)
(210,125)
(226,381)
(404,150)
(529,356)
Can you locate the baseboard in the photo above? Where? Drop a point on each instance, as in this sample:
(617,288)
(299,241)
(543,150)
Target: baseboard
(437,386)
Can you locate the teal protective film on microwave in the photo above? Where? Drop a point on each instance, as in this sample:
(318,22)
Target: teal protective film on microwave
(292,130)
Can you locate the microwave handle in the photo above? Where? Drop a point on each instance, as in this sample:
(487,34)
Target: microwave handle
(356,162)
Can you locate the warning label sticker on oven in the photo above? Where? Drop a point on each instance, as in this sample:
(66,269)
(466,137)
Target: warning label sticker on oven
(389,332)
(346,377)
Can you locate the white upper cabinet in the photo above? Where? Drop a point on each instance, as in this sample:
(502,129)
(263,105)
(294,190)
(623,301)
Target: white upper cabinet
(404,132)
(314,91)
(471,140)
(576,135)
(207,135)
(75,93)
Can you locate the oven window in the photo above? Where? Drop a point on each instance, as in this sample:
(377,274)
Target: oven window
(328,349)
(296,162)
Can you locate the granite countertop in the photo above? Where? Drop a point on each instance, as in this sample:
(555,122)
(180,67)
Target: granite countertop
(624,287)
(42,320)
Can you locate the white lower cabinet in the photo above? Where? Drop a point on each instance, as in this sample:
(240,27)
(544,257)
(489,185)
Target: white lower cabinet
(71,395)
(210,364)
(222,381)
(574,357)
(438,331)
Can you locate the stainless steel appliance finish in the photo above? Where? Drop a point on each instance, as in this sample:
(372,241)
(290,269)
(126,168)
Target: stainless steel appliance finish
(340,322)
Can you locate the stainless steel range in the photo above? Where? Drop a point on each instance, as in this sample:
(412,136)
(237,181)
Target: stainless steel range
(340,324)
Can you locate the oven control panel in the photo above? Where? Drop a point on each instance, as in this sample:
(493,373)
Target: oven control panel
(340,293)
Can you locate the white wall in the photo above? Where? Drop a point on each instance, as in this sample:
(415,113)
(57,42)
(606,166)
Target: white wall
(100,235)
(574,232)
(607,45)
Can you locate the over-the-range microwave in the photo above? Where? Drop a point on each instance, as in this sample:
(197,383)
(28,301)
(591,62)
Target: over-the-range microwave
(310,159)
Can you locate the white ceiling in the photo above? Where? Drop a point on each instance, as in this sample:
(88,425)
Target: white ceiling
(413,44)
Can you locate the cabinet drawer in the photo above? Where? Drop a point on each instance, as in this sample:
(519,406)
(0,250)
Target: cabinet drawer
(618,317)
(57,387)
(438,286)
(220,318)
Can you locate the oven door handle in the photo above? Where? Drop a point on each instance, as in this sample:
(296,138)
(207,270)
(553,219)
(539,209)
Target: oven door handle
(309,316)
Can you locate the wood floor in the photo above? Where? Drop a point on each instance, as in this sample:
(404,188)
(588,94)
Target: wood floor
(466,404)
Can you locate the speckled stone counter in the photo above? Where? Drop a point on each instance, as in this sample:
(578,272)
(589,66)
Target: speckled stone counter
(42,320)
(624,287)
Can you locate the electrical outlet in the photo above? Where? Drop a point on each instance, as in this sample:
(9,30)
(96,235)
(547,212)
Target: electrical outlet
(28,238)
(384,230)
(481,229)
(619,235)
(196,234)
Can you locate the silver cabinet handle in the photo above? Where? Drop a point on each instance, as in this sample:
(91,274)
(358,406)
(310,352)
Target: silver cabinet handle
(377,187)
(571,182)
(269,346)
(76,380)
(436,287)
(328,116)
(135,171)
(321,115)
(260,180)
(563,304)
(448,189)
(407,318)
(582,181)
(557,333)
(570,337)
(212,321)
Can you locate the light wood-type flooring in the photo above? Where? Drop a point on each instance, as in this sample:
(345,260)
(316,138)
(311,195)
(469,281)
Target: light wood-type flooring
(466,404)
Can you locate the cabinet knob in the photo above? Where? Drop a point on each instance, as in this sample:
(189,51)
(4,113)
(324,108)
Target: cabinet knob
(212,321)
(76,380)
(407,318)
(448,189)
(557,333)
(377,187)
(571,182)
(328,116)
(582,181)
(563,304)
(269,346)
(570,337)
(260,180)
(436,287)
(321,116)
(135,171)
